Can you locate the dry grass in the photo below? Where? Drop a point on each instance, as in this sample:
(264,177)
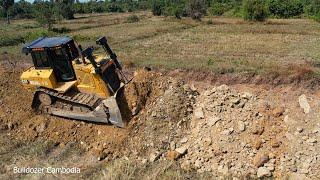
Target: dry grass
(228,45)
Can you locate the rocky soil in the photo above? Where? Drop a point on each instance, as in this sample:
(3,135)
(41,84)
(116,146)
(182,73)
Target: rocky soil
(226,131)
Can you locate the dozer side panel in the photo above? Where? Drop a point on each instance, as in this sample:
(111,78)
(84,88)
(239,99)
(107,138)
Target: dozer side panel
(38,77)
(91,83)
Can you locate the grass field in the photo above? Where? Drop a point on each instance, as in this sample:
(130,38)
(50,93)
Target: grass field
(227,45)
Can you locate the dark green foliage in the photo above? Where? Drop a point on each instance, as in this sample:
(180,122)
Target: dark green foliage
(23,9)
(313,9)
(6,5)
(196,9)
(64,8)
(158,7)
(45,13)
(176,9)
(250,9)
(61,30)
(219,7)
(285,8)
(255,10)
(317,17)
(114,6)
(15,40)
(132,19)
(10,41)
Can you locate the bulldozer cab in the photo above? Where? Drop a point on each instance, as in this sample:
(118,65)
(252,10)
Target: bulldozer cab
(55,53)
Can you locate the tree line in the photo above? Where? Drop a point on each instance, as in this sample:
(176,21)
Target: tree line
(53,10)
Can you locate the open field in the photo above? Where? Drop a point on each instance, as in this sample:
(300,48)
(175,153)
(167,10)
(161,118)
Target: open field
(181,122)
(228,45)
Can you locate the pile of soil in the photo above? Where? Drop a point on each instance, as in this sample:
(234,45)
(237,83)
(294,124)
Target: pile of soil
(233,133)
(164,118)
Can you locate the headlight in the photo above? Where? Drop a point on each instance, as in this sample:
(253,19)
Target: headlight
(24,81)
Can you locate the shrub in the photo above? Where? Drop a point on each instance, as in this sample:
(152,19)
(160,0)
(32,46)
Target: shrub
(158,7)
(196,9)
(36,34)
(285,8)
(255,10)
(132,19)
(177,10)
(218,9)
(111,7)
(61,30)
(313,9)
(10,41)
(317,17)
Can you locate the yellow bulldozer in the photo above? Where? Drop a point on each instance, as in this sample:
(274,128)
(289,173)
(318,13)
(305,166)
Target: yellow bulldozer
(74,83)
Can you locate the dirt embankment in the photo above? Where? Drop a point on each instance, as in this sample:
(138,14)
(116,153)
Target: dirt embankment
(224,131)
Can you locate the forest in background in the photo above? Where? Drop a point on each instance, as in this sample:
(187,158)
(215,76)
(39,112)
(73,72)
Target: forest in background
(248,9)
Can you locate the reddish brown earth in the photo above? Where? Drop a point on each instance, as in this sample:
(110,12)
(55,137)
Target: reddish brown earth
(162,104)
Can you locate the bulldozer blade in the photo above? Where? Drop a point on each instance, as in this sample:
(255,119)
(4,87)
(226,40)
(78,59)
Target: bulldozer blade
(98,115)
(114,111)
(107,111)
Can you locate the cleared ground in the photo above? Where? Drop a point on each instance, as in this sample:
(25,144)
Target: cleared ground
(228,45)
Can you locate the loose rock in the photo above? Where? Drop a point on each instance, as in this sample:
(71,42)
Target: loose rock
(304,104)
(263,172)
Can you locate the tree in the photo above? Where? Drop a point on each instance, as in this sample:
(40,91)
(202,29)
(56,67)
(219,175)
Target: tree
(64,8)
(158,7)
(23,9)
(196,9)
(285,8)
(255,10)
(45,14)
(6,4)
(312,8)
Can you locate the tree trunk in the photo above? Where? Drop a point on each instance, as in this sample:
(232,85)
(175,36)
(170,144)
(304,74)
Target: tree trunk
(8,17)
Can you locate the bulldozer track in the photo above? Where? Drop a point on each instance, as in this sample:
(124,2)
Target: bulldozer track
(83,99)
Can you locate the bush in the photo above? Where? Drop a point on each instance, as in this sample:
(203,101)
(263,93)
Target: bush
(218,9)
(158,7)
(317,17)
(61,30)
(285,8)
(255,10)
(10,41)
(177,10)
(132,19)
(313,9)
(196,9)
(113,7)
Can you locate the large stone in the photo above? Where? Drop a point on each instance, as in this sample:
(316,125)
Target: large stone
(246,95)
(182,150)
(304,103)
(154,156)
(241,126)
(213,120)
(198,113)
(172,155)
(263,172)
(260,159)
(297,176)
(278,111)
(184,140)
(257,143)
(311,140)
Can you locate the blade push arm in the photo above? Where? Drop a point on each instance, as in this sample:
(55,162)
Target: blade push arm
(104,43)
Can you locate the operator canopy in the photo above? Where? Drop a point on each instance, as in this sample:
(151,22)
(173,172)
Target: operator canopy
(46,42)
(54,53)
